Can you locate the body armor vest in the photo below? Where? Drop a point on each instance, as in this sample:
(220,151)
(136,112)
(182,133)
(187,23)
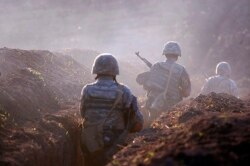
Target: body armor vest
(159,76)
(99,102)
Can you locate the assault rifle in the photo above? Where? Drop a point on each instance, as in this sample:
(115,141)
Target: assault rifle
(143,59)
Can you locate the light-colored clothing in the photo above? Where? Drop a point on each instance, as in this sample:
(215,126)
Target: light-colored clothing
(158,79)
(220,84)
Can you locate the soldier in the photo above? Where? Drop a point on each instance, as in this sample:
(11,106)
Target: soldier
(166,82)
(109,110)
(221,82)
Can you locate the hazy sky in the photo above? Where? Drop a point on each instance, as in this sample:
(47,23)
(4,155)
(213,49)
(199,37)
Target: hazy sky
(122,27)
(116,26)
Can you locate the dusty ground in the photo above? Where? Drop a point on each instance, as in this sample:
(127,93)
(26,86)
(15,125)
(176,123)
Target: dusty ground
(39,120)
(51,140)
(39,94)
(207,130)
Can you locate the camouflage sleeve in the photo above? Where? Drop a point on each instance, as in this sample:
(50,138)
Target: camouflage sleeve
(136,117)
(130,104)
(83,97)
(185,84)
(127,97)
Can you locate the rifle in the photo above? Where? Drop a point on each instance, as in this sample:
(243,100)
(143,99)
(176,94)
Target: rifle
(144,59)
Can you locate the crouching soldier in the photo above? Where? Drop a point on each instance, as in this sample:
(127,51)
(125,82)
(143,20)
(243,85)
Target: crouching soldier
(167,83)
(221,82)
(109,111)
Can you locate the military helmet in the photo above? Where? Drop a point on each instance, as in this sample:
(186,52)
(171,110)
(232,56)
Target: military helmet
(105,64)
(223,68)
(172,47)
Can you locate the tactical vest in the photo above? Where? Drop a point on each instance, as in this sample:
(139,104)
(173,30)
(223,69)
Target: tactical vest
(159,76)
(99,101)
(103,116)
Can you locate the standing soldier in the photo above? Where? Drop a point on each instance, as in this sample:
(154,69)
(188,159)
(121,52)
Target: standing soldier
(166,82)
(109,111)
(221,82)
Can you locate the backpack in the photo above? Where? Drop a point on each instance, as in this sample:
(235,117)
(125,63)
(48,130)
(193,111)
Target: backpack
(92,136)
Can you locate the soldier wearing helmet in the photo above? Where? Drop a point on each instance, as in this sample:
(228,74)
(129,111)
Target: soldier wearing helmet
(221,82)
(108,110)
(167,83)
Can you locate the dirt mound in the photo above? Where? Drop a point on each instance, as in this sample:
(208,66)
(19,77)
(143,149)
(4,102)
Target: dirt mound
(38,81)
(39,100)
(207,130)
(25,96)
(50,140)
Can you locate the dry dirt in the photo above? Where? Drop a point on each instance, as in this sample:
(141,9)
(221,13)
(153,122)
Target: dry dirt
(39,120)
(207,130)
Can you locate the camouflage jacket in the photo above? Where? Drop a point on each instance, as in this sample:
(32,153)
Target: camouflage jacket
(155,80)
(220,84)
(98,98)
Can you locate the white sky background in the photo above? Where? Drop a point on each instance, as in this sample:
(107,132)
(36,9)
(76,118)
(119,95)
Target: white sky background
(116,26)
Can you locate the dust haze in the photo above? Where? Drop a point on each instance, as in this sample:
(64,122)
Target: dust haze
(47,48)
(208,31)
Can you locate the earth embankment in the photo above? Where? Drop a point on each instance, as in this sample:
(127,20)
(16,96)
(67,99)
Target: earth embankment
(39,102)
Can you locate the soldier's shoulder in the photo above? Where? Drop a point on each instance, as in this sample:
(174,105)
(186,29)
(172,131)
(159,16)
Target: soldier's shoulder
(88,86)
(158,64)
(179,66)
(213,78)
(127,95)
(125,88)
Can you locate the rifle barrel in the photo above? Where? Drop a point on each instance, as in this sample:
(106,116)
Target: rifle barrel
(144,60)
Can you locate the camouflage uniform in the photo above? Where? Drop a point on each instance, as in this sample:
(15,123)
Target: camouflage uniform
(221,83)
(158,79)
(106,107)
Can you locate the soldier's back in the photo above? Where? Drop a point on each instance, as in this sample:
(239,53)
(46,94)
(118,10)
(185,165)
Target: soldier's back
(100,98)
(163,73)
(220,84)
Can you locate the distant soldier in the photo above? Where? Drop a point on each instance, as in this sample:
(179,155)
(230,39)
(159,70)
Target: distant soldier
(166,82)
(109,111)
(221,82)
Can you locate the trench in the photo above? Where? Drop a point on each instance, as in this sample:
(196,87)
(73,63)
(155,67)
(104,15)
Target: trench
(52,140)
